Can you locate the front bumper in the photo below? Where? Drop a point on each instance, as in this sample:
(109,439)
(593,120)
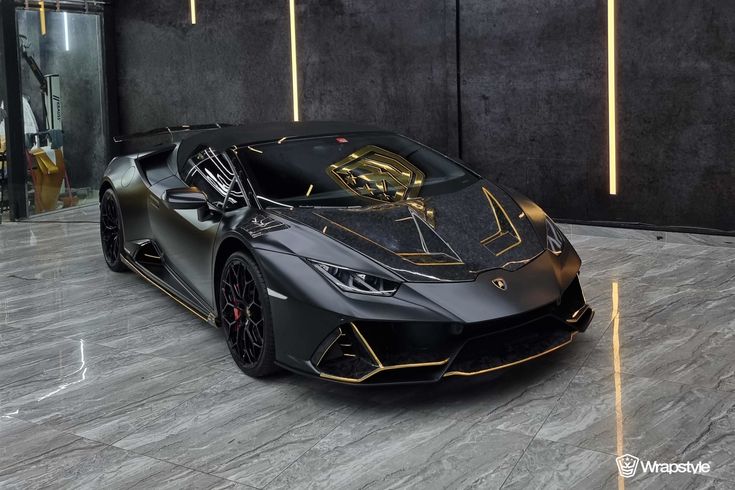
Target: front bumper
(379,352)
(426,331)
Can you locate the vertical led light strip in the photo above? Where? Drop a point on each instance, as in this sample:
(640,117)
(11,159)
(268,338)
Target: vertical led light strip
(294,73)
(66,30)
(619,433)
(193,7)
(42,7)
(612,113)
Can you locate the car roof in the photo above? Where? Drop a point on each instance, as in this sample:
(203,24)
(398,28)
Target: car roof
(258,133)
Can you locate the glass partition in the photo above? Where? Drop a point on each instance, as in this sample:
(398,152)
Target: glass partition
(63,102)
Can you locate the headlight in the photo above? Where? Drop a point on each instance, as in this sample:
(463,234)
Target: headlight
(554,238)
(354,281)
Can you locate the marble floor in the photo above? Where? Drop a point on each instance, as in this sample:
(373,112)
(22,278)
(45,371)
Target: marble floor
(107,383)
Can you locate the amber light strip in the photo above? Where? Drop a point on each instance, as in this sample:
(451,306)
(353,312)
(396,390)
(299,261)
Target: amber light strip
(612,113)
(193,7)
(294,74)
(618,381)
(42,7)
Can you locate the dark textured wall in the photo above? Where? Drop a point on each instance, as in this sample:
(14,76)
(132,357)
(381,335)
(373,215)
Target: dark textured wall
(382,62)
(677,112)
(533,86)
(534,106)
(533,81)
(233,66)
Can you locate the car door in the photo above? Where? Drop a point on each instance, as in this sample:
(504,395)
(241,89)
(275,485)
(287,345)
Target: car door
(186,237)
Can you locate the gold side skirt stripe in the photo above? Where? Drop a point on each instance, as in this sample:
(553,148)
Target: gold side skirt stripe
(503,366)
(142,274)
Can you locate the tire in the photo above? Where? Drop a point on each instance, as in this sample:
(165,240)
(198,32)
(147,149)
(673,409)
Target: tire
(245,315)
(111,231)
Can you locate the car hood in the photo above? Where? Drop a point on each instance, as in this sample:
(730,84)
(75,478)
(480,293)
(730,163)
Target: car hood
(448,237)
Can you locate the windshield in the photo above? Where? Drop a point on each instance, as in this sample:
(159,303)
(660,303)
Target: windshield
(350,170)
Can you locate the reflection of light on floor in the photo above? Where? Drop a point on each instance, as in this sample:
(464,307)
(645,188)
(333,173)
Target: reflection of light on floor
(82,369)
(616,374)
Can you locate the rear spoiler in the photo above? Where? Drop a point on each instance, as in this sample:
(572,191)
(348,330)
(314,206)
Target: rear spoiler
(170,131)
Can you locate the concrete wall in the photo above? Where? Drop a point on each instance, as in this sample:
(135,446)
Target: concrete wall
(533,83)
(232,67)
(387,63)
(677,112)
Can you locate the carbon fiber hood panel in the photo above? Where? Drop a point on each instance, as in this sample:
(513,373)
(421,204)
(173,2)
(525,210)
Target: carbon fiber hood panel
(449,237)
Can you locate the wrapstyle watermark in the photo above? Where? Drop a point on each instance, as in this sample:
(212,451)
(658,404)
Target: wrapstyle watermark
(628,466)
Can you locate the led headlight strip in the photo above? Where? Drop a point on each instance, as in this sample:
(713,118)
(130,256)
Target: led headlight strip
(354,281)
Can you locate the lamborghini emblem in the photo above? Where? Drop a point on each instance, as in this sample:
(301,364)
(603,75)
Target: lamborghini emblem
(500,283)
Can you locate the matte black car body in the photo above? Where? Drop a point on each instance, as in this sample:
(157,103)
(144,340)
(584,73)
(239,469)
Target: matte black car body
(484,279)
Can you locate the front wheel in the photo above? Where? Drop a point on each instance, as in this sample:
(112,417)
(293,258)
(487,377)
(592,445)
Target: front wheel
(111,232)
(246,316)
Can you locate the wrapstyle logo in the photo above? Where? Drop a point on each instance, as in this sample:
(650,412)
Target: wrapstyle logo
(627,465)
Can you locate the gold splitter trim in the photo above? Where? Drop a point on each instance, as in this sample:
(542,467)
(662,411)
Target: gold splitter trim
(380,368)
(514,363)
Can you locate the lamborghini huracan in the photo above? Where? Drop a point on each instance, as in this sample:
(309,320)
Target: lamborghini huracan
(342,251)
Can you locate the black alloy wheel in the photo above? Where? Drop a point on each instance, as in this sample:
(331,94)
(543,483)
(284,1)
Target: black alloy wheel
(245,316)
(111,233)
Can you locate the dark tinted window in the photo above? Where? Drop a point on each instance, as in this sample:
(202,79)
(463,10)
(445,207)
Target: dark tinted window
(349,170)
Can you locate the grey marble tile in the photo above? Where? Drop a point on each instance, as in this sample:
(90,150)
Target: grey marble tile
(384,448)
(651,418)
(699,239)
(695,356)
(37,457)
(554,465)
(626,233)
(517,399)
(243,431)
(91,390)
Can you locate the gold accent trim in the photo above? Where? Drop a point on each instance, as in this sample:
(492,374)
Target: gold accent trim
(495,205)
(366,344)
(380,368)
(139,271)
(578,314)
(503,366)
(384,368)
(380,168)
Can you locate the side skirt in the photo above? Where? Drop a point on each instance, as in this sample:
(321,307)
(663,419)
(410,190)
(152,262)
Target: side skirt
(166,281)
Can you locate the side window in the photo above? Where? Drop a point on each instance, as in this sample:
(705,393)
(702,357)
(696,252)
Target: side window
(212,173)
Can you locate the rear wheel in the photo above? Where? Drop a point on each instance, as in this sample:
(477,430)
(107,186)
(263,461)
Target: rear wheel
(246,316)
(111,233)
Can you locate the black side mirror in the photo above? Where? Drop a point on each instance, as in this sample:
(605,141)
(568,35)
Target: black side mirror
(186,198)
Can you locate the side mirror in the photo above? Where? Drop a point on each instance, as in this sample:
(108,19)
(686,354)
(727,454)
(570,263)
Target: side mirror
(185,199)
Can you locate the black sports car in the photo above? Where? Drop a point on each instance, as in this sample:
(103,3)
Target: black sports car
(343,251)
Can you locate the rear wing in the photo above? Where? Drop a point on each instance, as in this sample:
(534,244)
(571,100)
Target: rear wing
(170,131)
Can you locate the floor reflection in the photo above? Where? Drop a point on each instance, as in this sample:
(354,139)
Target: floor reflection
(619,433)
